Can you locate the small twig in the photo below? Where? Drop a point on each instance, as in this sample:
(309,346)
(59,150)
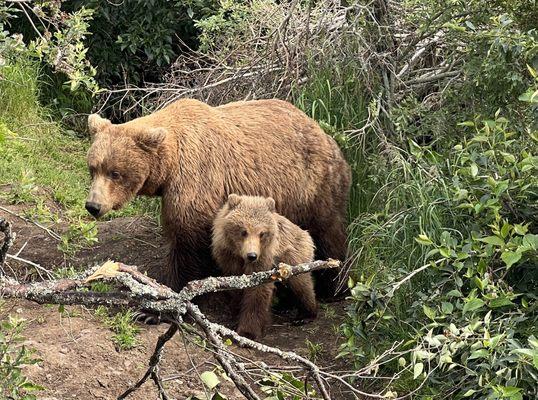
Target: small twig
(153,363)
(53,234)
(412,274)
(38,267)
(245,342)
(21,249)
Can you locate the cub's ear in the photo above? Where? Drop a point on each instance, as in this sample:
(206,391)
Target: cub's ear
(270,204)
(151,138)
(233,201)
(97,123)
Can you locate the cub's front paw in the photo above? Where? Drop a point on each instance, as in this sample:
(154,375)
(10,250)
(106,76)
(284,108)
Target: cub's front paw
(251,332)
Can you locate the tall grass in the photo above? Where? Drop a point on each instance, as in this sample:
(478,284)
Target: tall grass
(392,200)
(36,153)
(334,98)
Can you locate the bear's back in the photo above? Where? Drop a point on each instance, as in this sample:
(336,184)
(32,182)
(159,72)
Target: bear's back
(295,244)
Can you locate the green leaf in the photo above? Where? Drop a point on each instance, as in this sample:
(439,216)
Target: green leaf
(423,239)
(445,252)
(430,312)
(509,158)
(511,257)
(500,302)
(466,123)
(482,353)
(31,387)
(510,391)
(210,379)
(494,240)
(474,170)
(521,229)
(417,370)
(494,341)
(469,392)
(505,230)
(530,241)
(472,305)
(447,308)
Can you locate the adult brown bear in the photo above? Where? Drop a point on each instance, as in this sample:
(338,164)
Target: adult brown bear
(195,155)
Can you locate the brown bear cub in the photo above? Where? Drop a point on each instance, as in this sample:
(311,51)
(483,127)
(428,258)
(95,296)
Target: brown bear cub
(249,236)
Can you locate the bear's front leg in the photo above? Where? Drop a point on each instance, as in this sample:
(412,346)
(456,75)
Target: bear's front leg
(254,315)
(187,261)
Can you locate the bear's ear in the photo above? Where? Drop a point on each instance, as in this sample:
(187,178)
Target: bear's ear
(233,201)
(270,204)
(151,138)
(97,123)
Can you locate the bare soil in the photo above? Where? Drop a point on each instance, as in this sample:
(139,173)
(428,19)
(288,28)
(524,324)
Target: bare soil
(79,358)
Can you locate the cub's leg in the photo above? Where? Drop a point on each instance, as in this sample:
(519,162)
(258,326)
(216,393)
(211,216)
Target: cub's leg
(303,287)
(254,315)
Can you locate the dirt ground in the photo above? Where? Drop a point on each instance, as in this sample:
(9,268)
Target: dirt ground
(79,359)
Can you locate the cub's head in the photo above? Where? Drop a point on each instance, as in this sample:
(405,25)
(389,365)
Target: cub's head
(247,227)
(120,162)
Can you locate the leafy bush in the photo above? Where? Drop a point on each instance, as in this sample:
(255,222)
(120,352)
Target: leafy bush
(57,39)
(13,357)
(469,327)
(135,40)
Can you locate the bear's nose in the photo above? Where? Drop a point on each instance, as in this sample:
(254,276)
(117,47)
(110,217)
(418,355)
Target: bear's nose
(93,208)
(252,256)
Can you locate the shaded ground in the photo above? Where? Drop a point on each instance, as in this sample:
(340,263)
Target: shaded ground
(79,357)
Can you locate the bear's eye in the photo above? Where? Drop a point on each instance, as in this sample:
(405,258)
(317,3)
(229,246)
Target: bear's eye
(115,175)
(243,232)
(262,234)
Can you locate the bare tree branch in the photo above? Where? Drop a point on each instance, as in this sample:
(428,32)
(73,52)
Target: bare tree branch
(144,292)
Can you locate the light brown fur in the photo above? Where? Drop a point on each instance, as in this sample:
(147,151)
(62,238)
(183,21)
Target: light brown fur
(249,225)
(194,155)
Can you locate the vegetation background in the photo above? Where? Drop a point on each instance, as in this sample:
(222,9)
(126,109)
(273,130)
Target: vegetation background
(435,104)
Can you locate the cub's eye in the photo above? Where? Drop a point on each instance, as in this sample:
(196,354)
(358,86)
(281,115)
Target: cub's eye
(243,233)
(262,234)
(115,175)
(92,171)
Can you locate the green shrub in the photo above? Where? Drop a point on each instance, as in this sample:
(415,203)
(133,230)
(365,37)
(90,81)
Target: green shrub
(135,41)
(468,328)
(13,357)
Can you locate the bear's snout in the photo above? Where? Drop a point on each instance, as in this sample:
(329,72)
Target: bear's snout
(93,208)
(252,256)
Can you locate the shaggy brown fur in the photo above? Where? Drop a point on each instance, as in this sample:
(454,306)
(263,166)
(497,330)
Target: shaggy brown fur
(249,236)
(194,155)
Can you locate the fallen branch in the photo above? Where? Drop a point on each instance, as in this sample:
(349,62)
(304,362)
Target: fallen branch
(144,292)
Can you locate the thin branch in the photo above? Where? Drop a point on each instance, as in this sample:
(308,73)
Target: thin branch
(245,342)
(38,267)
(153,363)
(221,354)
(52,234)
